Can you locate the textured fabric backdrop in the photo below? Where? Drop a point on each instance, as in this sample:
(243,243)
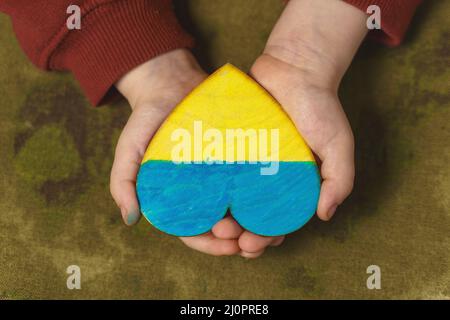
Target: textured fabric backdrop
(56,153)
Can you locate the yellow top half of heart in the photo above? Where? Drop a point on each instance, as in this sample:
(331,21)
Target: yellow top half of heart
(229,103)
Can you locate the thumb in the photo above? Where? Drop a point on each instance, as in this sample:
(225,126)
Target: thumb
(130,150)
(338,172)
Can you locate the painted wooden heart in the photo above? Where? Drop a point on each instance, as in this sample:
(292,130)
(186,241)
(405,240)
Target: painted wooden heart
(228,145)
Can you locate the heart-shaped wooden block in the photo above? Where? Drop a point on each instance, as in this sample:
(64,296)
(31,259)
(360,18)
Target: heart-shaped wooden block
(228,145)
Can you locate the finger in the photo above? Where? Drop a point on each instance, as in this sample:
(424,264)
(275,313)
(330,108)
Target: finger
(209,244)
(227,228)
(253,243)
(130,149)
(338,173)
(251,255)
(123,181)
(278,241)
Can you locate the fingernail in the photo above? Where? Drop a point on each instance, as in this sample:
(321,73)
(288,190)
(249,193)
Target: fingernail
(331,211)
(132,217)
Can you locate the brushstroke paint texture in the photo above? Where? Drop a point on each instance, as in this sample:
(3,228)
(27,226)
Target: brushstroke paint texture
(188,199)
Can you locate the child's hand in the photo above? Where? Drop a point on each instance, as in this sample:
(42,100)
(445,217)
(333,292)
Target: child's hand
(153,89)
(305,58)
(318,115)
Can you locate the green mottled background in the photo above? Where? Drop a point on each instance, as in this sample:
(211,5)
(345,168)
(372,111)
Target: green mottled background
(56,153)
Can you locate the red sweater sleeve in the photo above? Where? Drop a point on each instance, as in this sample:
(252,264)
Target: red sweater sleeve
(395,18)
(115,37)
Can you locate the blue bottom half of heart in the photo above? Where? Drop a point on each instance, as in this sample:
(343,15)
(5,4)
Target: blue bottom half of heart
(189,199)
